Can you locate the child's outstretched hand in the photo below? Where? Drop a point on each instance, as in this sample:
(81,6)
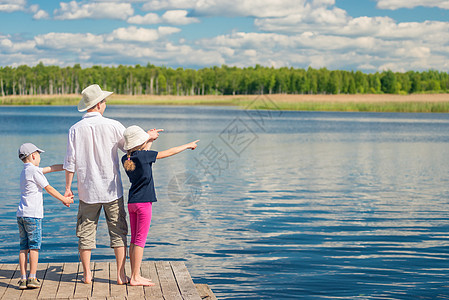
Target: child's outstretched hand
(192,145)
(68,200)
(154,133)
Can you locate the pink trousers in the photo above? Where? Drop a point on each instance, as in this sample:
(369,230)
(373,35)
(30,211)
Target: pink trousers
(140,220)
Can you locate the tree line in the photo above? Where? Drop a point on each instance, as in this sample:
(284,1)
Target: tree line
(224,80)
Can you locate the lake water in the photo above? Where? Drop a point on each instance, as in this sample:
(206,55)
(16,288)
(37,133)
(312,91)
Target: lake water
(300,205)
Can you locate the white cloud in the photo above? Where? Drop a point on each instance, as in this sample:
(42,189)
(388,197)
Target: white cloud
(187,55)
(150,18)
(166,30)
(298,33)
(21,5)
(77,42)
(396,4)
(95,10)
(334,21)
(232,8)
(256,8)
(12,5)
(333,51)
(136,34)
(178,17)
(9,46)
(156,5)
(40,14)
(172,17)
(6,45)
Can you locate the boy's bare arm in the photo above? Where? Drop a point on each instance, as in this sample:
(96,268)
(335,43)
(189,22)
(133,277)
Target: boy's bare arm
(53,168)
(176,150)
(53,192)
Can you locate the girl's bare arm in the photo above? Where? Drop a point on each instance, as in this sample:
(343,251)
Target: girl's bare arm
(176,150)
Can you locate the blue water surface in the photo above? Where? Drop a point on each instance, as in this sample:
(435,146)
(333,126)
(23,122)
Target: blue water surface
(271,205)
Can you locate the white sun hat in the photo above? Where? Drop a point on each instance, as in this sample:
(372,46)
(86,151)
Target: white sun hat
(91,96)
(134,136)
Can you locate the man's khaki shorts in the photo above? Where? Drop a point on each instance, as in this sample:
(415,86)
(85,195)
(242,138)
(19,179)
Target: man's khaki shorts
(86,226)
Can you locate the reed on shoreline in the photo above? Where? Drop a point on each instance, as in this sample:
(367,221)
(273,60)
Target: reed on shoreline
(346,103)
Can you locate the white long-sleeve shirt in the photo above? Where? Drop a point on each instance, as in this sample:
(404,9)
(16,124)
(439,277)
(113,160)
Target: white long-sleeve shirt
(92,153)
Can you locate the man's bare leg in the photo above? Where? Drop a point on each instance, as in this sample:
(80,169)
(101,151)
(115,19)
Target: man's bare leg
(85,261)
(120,257)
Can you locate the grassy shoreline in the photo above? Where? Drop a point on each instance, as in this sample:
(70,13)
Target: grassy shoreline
(347,103)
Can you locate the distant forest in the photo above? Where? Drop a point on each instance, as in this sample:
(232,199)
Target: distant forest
(224,80)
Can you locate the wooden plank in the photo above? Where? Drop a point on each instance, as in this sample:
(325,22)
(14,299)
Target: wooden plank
(63,281)
(167,281)
(100,286)
(205,292)
(185,282)
(7,272)
(116,290)
(67,282)
(82,289)
(149,271)
(134,292)
(50,284)
(13,292)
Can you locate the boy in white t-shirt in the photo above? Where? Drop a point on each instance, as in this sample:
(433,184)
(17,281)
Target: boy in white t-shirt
(31,210)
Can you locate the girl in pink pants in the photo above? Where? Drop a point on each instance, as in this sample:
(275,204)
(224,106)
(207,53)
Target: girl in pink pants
(137,163)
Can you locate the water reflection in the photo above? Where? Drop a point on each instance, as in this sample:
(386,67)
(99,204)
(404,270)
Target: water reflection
(318,205)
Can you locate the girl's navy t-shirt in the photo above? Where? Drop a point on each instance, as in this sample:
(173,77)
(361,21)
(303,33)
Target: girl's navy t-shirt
(142,184)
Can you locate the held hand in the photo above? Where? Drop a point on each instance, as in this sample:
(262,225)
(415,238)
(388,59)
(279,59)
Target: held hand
(68,193)
(154,133)
(68,201)
(192,145)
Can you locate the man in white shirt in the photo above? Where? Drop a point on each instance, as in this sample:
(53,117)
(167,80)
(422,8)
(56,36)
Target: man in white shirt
(92,153)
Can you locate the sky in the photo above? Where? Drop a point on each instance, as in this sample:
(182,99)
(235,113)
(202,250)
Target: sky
(365,35)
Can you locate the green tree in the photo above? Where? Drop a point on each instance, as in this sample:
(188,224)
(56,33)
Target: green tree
(389,82)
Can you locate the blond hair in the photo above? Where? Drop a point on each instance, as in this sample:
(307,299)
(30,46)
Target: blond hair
(129,165)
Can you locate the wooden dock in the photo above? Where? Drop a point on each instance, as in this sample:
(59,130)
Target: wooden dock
(63,281)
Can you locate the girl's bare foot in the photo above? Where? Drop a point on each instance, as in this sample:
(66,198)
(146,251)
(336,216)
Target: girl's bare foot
(141,281)
(87,278)
(146,279)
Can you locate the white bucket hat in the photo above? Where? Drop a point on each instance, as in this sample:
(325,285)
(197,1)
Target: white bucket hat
(134,136)
(91,96)
(27,149)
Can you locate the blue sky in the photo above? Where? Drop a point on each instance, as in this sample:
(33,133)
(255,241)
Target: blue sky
(366,35)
